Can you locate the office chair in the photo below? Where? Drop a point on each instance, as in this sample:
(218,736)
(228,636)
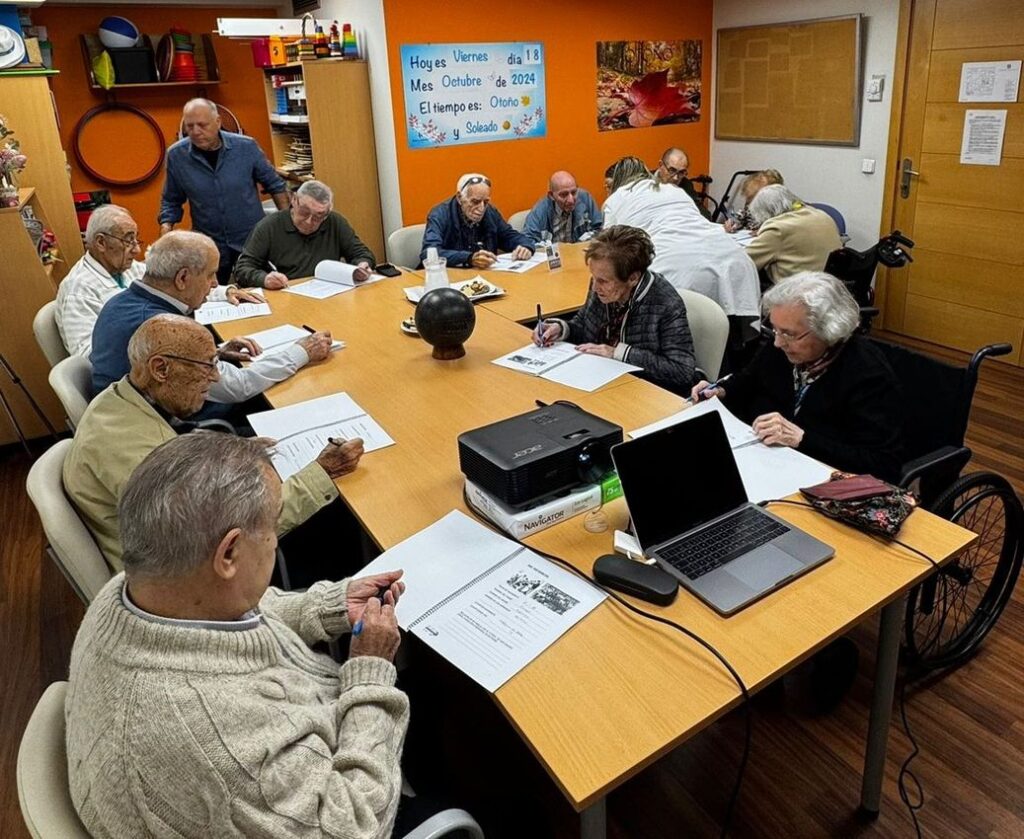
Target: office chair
(834,214)
(70,544)
(45,796)
(518,220)
(709,327)
(44,327)
(71,380)
(404,245)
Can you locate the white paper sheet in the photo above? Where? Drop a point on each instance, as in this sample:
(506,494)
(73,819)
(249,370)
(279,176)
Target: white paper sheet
(222,311)
(989,81)
(302,430)
(738,432)
(279,338)
(777,471)
(743,237)
(415,293)
(485,603)
(563,363)
(982,143)
(505,262)
(331,277)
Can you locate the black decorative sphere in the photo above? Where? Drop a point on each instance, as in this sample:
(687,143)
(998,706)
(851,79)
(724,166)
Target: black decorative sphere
(445,319)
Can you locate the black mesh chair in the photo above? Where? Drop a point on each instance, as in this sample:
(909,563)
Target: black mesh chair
(950,613)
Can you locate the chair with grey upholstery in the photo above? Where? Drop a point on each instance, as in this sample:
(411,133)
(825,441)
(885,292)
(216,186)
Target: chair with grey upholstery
(44,326)
(71,544)
(518,220)
(45,796)
(71,380)
(709,327)
(404,245)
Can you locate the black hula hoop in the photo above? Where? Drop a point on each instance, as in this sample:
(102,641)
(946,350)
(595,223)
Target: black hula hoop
(91,114)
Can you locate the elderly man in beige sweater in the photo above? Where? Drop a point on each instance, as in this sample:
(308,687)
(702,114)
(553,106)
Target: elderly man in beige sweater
(196,707)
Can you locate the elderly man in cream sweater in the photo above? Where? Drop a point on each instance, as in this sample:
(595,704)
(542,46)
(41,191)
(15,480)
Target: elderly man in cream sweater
(196,707)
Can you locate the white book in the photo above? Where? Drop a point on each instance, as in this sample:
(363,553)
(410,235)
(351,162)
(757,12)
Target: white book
(505,262)
(279,338)
(221,311)
(331,277)
(303,430)
(767,471)
(563,363)
(487,604)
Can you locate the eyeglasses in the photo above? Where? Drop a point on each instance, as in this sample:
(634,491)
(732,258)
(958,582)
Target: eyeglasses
(476,179)
(788,337)
(212,365)
(131,242)
(307,214)
(675,173)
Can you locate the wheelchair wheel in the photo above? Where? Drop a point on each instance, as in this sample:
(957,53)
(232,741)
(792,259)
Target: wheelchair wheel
(950,613)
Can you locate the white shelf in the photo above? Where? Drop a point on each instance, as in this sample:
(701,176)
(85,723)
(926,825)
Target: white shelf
(289,119)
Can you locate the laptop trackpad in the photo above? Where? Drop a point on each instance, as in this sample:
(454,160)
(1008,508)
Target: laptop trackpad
(763,568)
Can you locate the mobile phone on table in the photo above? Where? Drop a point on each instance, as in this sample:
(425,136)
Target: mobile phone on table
(388,270)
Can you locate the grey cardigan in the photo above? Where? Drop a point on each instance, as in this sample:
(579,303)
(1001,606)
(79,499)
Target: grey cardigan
(655,334)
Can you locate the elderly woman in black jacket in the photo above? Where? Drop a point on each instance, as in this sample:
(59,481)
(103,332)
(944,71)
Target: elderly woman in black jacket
(820,388)
(631,314)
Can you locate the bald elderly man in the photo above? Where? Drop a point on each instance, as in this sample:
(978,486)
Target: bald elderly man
(568,212)
(173,366)
(469,231)
(109,266)
(217,172)
(674,169)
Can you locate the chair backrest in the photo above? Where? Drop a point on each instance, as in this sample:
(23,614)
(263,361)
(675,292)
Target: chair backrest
(837,216)
(518,220)
(709,326)
(44,326)
(42,771)
(74,550)
(404,245)
(71,380)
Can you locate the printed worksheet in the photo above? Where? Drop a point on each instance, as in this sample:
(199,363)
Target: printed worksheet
(331,277)
(505,262)
(303,430)
(562,362)
(279,338)
(221,311)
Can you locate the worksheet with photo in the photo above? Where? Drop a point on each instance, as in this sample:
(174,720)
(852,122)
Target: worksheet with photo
(505,262)
(304,429)
(562,362)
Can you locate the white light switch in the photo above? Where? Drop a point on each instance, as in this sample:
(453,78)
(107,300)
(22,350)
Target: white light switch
(867,166)
(875,87)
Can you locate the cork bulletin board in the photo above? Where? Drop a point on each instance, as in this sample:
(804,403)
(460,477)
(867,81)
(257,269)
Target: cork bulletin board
(795,82)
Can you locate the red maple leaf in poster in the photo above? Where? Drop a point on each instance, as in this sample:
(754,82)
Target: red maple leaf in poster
(652,99)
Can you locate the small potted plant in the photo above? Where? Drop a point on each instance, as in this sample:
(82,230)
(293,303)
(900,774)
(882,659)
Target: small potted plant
(12,161)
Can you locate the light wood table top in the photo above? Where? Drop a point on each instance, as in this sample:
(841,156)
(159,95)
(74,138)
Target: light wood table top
(616,692)
(558,292)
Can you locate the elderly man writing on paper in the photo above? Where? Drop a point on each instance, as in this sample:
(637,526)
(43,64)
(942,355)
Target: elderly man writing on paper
(109,266)
(174,365)
(288,244)
(468,231)
(181,269)
(196,706)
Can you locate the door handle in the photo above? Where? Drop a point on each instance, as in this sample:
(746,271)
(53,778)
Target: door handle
(908,173)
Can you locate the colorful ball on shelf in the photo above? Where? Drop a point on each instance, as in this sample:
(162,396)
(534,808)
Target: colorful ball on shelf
(116,32)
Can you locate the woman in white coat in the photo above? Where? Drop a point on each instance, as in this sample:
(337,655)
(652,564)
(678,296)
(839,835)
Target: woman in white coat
(690,251)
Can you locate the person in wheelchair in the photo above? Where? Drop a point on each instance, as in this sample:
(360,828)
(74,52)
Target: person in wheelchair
(819,387)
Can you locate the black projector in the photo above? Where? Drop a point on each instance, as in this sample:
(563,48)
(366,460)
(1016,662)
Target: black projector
(523,459)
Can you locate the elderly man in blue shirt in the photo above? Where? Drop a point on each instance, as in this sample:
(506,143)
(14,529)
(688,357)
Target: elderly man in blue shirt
(567,213)
(468,231)
(217,172)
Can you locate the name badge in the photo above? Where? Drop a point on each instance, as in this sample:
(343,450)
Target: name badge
(554,257)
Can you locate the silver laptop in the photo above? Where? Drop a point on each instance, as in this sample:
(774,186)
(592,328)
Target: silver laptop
(690,512)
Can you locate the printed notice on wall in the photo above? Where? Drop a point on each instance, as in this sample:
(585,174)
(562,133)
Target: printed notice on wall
(989,81)
(983,137)
(473,93)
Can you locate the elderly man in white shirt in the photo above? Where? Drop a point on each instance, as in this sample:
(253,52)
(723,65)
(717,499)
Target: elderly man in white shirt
(109,266)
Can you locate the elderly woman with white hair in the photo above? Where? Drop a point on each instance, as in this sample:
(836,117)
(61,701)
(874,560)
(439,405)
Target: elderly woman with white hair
(820,388)
(469,231)
(791,236)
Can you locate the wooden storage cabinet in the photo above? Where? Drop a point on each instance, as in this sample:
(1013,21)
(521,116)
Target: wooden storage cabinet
(340,125)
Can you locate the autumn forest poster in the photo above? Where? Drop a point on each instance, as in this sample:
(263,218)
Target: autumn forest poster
(643,83)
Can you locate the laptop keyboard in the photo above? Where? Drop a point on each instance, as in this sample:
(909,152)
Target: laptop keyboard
(710,548)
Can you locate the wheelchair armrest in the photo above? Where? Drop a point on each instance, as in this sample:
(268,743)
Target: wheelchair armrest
(933,461)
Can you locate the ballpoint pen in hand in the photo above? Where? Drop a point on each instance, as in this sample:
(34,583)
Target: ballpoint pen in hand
(709,387)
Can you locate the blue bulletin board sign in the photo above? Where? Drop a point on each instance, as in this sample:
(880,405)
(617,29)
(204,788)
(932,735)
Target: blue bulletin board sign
(473,93)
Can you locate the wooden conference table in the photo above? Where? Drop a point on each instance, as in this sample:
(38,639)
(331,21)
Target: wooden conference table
(616,692)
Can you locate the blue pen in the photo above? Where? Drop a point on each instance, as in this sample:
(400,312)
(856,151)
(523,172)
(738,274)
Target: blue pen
(357,630)
(708,388)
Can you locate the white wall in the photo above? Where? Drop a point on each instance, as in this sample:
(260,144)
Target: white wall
(828,174)
(367,19)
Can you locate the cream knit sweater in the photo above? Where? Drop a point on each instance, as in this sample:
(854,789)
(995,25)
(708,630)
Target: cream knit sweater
(185,731)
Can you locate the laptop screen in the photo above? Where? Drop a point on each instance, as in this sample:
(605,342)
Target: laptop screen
(678,478)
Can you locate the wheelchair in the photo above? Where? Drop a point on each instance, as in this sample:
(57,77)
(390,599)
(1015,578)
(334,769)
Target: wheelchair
(950,613)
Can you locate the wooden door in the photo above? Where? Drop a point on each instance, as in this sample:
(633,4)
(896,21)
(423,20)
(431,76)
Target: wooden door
(965,287)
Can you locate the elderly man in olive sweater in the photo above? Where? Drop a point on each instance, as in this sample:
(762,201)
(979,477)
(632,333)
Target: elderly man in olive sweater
(288,244)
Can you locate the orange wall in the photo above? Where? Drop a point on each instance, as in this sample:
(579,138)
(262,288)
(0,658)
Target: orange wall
(569,32)
(129,145)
